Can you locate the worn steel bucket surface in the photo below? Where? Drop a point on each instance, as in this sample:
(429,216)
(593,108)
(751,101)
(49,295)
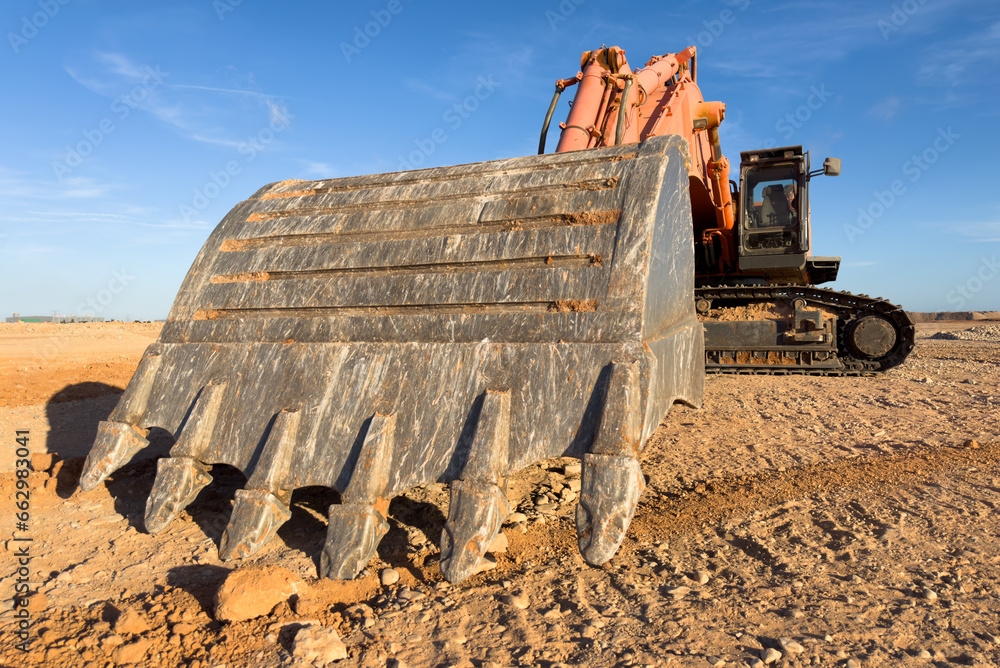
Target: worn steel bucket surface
(457,324)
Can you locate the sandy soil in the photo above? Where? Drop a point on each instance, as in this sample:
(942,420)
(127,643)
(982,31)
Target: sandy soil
(838,521)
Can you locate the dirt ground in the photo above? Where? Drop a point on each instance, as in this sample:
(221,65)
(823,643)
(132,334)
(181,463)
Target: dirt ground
(836,521)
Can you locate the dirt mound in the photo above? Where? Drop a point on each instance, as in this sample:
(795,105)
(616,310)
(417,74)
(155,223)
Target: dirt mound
(916,316)
(980,333)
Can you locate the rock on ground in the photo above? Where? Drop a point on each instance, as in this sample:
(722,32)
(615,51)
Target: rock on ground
(254,591)
(131,621)
(132,653)
(318,645)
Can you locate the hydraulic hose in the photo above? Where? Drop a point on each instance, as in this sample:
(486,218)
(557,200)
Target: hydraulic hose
(622,112)
(548,117)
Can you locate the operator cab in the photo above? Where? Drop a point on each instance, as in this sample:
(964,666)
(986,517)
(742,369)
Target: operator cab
(774,217)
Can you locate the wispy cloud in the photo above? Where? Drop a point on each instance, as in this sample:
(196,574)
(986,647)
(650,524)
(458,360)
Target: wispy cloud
(231,91)
(752,69)
(509,62)
(428,90)
(199,112)
(217,141)
(817,31)
(92,217)
(979,232)
(961,67)
(105,72)
(886,109)
(17,187)
(38,249)
(74,204)
(322,170)
(982,232)
(813,31)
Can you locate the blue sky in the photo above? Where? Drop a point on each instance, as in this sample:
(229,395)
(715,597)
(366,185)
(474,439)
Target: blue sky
(131,128)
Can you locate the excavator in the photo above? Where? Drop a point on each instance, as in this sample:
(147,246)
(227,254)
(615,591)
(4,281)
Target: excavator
(457,324)
(755,277)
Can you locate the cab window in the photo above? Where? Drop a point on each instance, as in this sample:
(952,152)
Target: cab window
(771,204)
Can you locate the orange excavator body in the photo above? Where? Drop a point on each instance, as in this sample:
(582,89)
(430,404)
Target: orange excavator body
(615,105)
(752,239)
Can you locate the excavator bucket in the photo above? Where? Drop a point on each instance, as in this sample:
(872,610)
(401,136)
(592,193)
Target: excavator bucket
(456,324)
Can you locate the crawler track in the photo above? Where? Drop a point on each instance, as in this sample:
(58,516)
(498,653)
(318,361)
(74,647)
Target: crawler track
(796,359)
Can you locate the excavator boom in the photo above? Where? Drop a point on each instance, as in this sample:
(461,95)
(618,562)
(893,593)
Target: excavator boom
(614,105)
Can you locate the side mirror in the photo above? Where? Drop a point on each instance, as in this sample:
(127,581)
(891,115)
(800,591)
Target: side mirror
(831,167)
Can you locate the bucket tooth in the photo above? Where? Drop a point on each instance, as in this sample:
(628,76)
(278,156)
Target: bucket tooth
(358,523)
(257,516)
(475,515)
(262,507)
(478,504)
(612,479)
(178,481)
(352,537)
(609,494)
(118,439)
(116,443)
(181,476)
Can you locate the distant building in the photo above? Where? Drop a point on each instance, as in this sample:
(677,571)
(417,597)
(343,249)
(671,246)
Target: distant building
(17,317)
